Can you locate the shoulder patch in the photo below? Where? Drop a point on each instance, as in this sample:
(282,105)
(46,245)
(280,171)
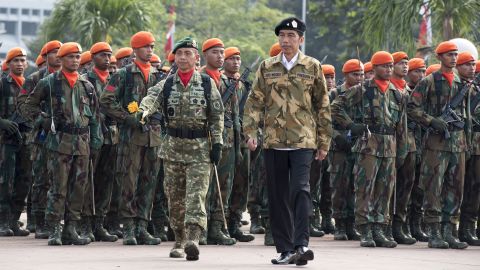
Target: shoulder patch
(216,105)
(416,94)
(110,88)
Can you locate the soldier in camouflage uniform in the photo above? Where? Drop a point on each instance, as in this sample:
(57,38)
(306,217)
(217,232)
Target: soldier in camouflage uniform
(406,171)
(102,164)
(471,196)
(238,196)
(40,184)
(477,71)
(193,111)
(290,92)
(342,160)
(379,122)
(213,52)
(72,107)
(137,161)
(14,185)
(443,158)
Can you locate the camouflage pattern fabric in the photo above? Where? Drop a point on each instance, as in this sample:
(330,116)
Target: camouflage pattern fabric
(239,196)
(342,181)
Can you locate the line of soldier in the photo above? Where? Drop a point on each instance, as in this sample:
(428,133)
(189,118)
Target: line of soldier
(91,156)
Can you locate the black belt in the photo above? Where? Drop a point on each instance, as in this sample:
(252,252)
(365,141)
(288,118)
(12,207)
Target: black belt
(476,128)
(338,127)
(382,130)
(74,130)
(186,133)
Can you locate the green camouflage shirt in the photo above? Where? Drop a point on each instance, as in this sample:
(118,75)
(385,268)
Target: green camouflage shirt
(388,112)
(114,102)
(78,110)
(294,103)
(9,91)
(424,105)
(187,108)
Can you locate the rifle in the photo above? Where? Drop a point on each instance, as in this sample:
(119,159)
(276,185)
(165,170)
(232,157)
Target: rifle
(243,78)
(23,125)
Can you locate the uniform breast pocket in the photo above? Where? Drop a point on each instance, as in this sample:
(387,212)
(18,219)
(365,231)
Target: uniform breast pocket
(198,105)
(85,103)
(395,112)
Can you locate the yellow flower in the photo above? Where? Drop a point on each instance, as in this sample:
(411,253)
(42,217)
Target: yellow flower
(132,107)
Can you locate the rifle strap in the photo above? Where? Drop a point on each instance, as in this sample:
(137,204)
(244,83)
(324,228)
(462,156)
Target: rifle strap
(370,94)
(475,101)
(57,88)
(228,94)
(5,94)
(129,82)
(437,78)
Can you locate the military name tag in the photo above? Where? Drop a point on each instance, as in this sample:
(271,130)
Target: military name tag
(270,75)
(305,76)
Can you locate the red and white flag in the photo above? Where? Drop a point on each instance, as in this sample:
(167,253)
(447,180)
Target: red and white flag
(171,30)
(425,34)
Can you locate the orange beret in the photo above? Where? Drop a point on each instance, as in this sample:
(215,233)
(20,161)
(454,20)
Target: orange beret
(464,57)
(85,57)
(210,43)
(328,70)
(68,48)
(123,52)
(14,52)
(399,56)
(231,51)
(446,46)
(40,60)
(4,66)
(141,39)
(275,49)
(50,46)
(368,67)
(100,47)
(432,68)
(352,65)
(171,57)
(416,63)
(477,66)
(381,58)
(113,59)
(154,59)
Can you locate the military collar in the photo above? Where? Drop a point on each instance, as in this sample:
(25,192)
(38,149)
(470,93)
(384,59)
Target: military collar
(58,75)
(456,78)
(196,77)
(371,83)
(135,69)
(301,59)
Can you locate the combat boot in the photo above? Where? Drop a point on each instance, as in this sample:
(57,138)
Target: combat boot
(86,228)
(41,229)
(352,233)
(129,232)
(387,231)
(235,232)
(159,229)
(113,226)
(55,237)
(142,235)
(467,234)
(5,226)
(327,224)
(70,235)
(15,227)
(255,226)
(314,231)
(216,236)
(30,222)
(406,229)
(192,235)
(453,242)
(101,234)
(436,239)
(366,239)
(417,231)
(379,237)
(340,230)
(268,240)
(203,238)
(178,247)
(399,236)
(478,228)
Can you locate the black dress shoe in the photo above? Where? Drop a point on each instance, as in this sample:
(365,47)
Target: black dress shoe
(303,255)
(286,257)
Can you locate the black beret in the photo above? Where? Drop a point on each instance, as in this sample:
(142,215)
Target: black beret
(291,23)
(187,42)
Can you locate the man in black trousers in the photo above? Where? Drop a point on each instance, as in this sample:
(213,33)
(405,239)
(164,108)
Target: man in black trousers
(290,93)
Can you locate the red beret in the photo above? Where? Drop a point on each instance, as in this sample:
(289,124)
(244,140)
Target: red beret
(446,46)
(416,63)
(368,67)
(40,60)
(399,56)
(50,46)
(68,48)
(210,43)
(85,58)
(275,49)
(432,68)
(464,57)
(124,52)
(113,59)
(14,52)
(100,47)
(381,58)
(477,66)
(352,65)
(154,59)
(171,57)
(141,39)
(4,66)
(231,51)
(328,70)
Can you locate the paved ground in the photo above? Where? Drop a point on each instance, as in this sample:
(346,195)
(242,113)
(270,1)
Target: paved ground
(27,253)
